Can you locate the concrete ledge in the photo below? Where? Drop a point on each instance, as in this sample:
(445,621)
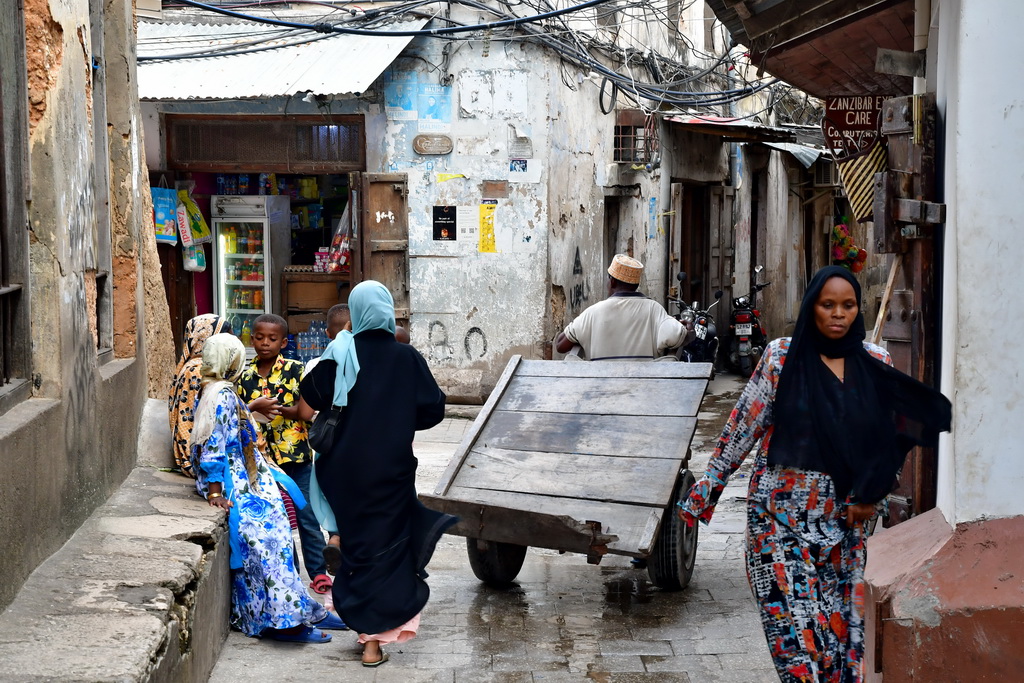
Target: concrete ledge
(141,592)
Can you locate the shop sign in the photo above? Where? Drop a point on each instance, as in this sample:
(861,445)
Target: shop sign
(432,144)
(851,124)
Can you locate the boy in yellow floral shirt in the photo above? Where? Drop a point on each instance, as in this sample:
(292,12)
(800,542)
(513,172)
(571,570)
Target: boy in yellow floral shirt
(272,376)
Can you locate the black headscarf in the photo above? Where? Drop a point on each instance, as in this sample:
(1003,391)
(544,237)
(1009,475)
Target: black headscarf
(859,430)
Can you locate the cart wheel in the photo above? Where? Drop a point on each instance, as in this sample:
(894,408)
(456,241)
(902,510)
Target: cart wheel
(496,564)
(670,565)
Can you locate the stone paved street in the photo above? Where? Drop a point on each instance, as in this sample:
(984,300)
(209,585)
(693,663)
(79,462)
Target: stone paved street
(566,620)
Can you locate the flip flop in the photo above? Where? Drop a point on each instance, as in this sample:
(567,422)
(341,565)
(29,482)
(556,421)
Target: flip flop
(308,634)
(321,583)
(332,622)
(383,658)
(332,556)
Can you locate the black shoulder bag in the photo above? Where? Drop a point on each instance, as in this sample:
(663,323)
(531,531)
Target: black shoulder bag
(322,431)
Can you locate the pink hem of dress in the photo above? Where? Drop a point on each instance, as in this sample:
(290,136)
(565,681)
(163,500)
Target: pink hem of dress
(406,631)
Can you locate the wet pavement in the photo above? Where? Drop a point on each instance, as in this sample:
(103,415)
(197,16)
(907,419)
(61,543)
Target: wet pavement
(565,620)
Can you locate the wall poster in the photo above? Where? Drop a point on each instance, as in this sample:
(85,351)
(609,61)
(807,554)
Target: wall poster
(445,225)
(488,245)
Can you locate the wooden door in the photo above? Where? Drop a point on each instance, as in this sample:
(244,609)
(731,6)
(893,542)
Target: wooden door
(688,250)
(720,265)
(910,329)
(384,238)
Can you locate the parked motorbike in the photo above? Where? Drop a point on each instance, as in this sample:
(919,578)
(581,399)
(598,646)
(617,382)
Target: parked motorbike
(747,335)
(702,345)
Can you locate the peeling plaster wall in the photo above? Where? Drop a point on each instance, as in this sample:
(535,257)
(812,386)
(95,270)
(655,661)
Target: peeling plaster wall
(470,310)
(66,448)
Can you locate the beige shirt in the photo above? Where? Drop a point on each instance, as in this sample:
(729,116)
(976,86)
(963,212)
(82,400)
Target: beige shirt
(630,327)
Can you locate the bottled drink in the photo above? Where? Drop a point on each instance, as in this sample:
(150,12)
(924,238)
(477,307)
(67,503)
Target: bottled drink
(257,299)
(246,335)
(242,243)
(230,184)
(232,240)
(263,184)
(221,183)
(243,183)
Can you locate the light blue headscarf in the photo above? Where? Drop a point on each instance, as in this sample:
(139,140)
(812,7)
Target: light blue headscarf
(372,308)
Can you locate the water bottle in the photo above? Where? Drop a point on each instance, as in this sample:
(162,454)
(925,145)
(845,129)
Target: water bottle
(221,183)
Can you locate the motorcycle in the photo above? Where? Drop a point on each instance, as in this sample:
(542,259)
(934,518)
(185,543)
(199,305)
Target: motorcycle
(747,335)
(702,346)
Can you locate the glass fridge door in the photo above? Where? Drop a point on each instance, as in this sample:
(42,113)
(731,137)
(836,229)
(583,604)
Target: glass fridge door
(242,268)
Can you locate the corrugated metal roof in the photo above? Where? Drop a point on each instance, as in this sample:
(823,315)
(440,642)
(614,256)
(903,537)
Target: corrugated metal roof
(275,61)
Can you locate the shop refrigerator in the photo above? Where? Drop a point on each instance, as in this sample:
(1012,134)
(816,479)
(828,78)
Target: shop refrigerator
(252,244)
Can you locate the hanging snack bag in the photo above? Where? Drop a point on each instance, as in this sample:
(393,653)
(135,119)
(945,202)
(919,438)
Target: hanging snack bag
(183,227)
(340,258)
(165,203)
(194,258)
(197,224)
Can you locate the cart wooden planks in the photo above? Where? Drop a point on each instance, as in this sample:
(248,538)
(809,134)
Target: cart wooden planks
(578,457)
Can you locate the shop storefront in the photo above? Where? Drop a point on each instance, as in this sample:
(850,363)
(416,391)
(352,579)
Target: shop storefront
(278,194)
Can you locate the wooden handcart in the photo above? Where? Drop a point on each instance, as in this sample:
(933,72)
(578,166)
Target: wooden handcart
(578,457)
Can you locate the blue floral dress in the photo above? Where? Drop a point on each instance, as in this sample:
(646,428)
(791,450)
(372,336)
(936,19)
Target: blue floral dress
(804,564)
(266,590)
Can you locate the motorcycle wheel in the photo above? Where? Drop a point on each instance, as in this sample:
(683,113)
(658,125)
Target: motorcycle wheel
(746,366)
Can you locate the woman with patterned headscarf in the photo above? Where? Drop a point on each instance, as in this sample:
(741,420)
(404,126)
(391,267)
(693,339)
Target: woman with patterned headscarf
(385,392)
(268,598)
(181,405)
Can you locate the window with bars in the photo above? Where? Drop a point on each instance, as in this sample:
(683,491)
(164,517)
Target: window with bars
(636,138)
(14,331)
(283,144)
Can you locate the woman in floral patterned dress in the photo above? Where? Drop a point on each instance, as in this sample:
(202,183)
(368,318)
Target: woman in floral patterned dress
(835,422)
(267,595)
(184,396)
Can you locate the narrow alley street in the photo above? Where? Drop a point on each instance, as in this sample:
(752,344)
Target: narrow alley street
(565,620)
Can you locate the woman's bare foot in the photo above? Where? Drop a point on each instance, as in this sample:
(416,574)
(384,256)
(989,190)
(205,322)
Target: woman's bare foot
(372,654)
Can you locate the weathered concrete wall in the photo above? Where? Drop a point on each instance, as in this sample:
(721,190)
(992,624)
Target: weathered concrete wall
(470,309)
(71,444)
(981,472)
(141,592)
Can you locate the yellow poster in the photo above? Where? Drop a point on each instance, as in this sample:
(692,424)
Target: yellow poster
(487,243)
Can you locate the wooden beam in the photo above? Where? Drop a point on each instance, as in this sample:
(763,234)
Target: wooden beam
(876,334)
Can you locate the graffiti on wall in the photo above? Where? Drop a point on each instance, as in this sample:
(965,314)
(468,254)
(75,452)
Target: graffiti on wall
(579,291)
(475,343)
(439,347)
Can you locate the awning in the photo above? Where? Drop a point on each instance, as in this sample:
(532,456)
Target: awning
(804,154)
(264,62)
(737,130)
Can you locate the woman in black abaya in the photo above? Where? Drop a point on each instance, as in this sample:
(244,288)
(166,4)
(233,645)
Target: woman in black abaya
(835,422)
(386,393)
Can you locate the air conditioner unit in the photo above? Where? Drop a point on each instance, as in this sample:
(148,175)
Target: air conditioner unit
(826,173)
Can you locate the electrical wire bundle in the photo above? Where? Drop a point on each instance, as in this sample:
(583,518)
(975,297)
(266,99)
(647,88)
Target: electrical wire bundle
(604,39)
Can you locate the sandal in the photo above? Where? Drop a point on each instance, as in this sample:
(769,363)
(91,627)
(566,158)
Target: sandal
(331,622)
(308,634)
(332,556)
(321,584)
(383,658)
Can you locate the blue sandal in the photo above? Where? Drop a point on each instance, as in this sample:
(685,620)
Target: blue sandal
(331,622)
(308,634)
